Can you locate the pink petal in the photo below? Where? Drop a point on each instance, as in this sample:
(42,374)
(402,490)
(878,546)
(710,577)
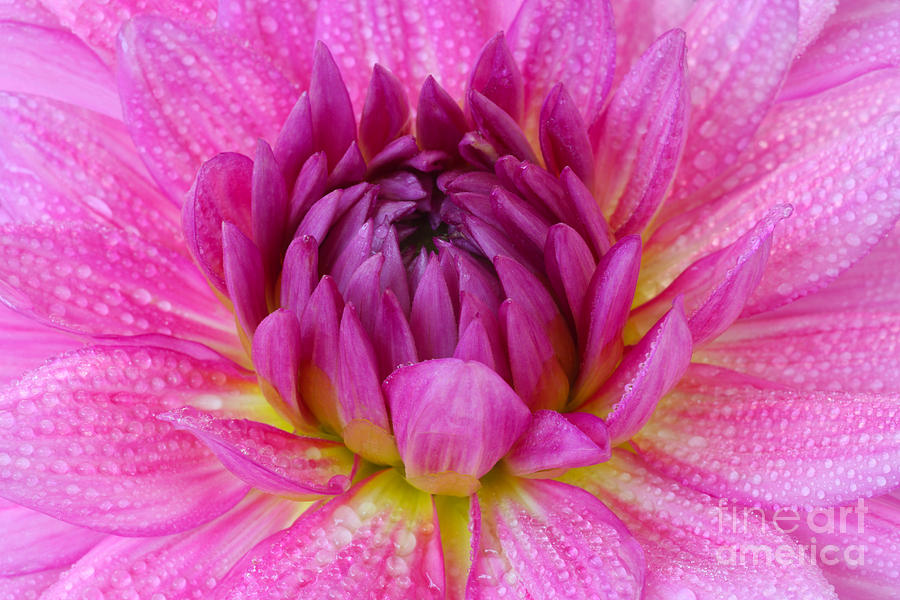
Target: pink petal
(860,37)
(531,295)
(433,37)
(497,76)
(393,341)
(440,123)
(62,163)
(385,115)
(333,121)
(26,343)
(498,128)
(300,273)
(647,372)
(858,544)
(327,552)
(568,42)
(30,586)
(320,358)
(28,11)
(533,537)
(641,134)
(603,315)
(280,31)
(98,23)
(86,281)
(797,128)
(691,542)
(309,187)
(453,421)
(269,459)
(269,209)
(587,218)
(639,23)
(432,319)
(151,89)
(276,358)
(717,286)
(842,338)
(294,144)
(476,344)
(244,278)
(221,192)
(178,567)
(813,16)
(35,542)
(854,174)
(82,443)
(551,445)
(816,448)
(732,48)
(563,136)
(56,64)
(536,372)
(525,226)
(363,413)
(569,267)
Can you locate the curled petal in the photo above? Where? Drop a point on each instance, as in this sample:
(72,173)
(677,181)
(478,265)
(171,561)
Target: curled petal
(497,76)
(603,314)
(647,372)
(498,127)
(440,123)
(563,136)
(453,421)
(569,266)
(363,413)
(537,375)
(320,353)
(385,115)
(300,273)
(276,358)
(550,446)
(269,459)
(432,318)
(717,287)
(294,144)
(221,192)
(269,208)
(244,278)
(333,120)
(641,134)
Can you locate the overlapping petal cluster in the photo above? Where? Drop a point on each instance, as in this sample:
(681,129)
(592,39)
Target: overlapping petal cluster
(429,310)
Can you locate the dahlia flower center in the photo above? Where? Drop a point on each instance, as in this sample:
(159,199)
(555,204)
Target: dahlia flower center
(432,291)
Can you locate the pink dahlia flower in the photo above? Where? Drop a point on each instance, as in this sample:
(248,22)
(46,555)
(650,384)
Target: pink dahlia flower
(428,310)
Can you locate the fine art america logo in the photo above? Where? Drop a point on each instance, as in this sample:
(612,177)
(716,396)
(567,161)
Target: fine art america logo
(815,536)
